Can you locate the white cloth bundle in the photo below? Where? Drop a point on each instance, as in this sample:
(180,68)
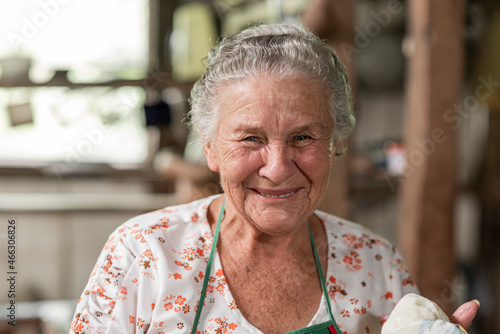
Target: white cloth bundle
(415,314)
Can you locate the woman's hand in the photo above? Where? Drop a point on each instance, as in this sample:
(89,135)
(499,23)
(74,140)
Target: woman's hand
(464,315)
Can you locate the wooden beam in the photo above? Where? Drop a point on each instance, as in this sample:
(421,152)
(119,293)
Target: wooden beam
(435,77)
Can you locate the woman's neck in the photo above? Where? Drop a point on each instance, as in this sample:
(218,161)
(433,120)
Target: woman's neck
(244,241)
(243,236)
(282,268)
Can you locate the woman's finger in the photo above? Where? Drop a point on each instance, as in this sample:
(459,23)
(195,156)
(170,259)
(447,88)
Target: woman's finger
(464,315)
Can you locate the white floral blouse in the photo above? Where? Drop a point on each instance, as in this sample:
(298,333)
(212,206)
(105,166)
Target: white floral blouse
(149,277)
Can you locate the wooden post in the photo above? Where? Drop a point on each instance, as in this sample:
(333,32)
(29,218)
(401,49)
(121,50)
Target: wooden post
(436,60)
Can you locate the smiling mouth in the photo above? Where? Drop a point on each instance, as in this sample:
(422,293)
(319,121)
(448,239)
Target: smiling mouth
(277,196)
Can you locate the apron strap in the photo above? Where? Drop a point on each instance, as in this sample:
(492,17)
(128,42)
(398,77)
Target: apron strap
(209,268)
(322,279)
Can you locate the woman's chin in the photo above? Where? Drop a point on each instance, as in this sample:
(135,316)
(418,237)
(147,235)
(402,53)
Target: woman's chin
(276,222)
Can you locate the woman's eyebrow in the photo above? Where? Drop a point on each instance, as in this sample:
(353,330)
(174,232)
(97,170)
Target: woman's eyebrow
(315,127)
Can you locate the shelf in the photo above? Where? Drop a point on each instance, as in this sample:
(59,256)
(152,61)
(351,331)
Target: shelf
(82,170)
(72,202)
(149,82)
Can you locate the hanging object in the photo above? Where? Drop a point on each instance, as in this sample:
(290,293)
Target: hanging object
(194,33)
(20,114)
(15,69)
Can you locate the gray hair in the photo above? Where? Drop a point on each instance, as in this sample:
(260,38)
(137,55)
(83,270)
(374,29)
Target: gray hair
(278,50)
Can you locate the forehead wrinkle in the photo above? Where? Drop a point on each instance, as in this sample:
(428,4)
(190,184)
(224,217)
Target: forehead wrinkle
(244,108)
(280,112)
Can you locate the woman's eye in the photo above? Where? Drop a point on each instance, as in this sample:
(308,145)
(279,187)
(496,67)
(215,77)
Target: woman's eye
(251,139)
(301,140)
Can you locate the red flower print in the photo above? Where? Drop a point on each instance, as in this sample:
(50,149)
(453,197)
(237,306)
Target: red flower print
(352,241)
(220,289)
(383,318)
(183,264)
(349,239)
(232,326)
(353,261)
(79,327)
(100,292)
(153,305)
(219,273)
(109,243)
(387,296)
(158,324)
(131,319)
(360,311)
(123,290)
(408,281)
(168,306)
(345,313)
(177,276)
(180,300)
(140,323)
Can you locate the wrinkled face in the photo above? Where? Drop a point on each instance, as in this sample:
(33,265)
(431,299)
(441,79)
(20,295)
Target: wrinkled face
(273,149)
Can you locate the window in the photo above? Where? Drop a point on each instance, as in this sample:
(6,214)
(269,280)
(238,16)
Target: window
(73,42)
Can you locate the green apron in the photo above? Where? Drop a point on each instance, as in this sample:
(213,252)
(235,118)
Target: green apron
(329,327)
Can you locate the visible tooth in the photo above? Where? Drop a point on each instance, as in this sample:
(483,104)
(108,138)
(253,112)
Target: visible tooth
(278,196)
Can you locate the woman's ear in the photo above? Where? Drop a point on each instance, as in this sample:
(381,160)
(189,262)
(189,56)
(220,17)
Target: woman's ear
(212,162)
(339,148)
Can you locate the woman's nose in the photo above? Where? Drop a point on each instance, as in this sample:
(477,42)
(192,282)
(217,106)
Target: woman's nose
(278,164)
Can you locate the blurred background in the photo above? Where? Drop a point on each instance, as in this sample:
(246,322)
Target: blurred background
(93,100)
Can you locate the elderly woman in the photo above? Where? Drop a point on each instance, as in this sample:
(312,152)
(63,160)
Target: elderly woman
(272,110)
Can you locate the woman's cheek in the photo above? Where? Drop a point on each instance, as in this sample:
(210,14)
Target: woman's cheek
(239,165)
(313,159)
